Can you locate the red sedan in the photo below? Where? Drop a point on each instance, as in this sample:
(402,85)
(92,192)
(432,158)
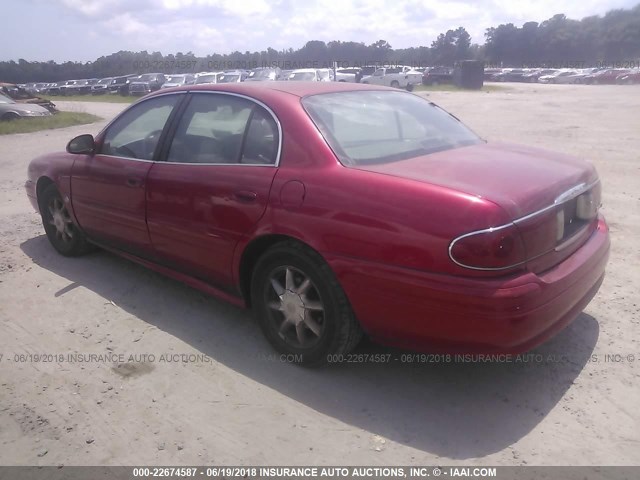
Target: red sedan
(333,210)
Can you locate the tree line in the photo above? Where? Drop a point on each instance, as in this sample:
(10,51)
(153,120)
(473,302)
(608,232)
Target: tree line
(556,42)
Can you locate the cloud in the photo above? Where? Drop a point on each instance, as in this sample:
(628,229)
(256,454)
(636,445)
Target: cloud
(231,7)
(96,8)
(127,24)
(222,26)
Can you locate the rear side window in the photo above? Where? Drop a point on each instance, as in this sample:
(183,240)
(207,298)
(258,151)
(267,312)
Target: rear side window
(261,142)
(224,129)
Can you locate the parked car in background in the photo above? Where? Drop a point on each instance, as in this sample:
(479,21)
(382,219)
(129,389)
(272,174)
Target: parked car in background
(12,110)
(68,87)
(120,85)
(509,75)
(22,96)
(489,73)
(102,86)
(284,74)
(604,77)
(43,88)
(347,74)
(567,77)
(146,83)
(334,209)
(628,78)
(81,87)
(54,89)
(365,71)
(263,74)
(533,75)
(179,80)
(552,76)
(311,75)
(577,77)
(396,77)
(210,77)
(437,75)
(233,76)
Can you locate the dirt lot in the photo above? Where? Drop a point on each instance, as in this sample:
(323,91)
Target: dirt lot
(240,405)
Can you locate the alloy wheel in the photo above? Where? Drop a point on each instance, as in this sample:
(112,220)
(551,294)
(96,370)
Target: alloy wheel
(295,307)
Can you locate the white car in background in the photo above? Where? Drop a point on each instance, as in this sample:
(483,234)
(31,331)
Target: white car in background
(561,76)
(11,110)
(397,77)
(209,77)
(233,76)
(577,77)
(347,74)
(311,75)
(178,80)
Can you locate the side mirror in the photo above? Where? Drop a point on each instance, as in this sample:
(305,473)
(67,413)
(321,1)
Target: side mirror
(83,144)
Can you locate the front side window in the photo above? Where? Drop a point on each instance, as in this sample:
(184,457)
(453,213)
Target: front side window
(375,127)
(224,129)
(135,134)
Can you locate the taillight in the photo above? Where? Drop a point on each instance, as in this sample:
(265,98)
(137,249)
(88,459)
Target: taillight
(498,248)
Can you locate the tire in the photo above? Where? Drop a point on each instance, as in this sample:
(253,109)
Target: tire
(395,84)
(62,233)
(10,116)
(287,280)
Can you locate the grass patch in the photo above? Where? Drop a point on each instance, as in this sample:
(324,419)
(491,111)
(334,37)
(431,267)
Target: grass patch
(91,98)
(447,87)
(59,120)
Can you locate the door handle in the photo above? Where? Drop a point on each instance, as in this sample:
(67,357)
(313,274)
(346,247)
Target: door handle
(134,182)
(245,195)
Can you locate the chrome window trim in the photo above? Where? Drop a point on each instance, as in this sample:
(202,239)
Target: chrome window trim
(253,100)
(559,200)
(126,158)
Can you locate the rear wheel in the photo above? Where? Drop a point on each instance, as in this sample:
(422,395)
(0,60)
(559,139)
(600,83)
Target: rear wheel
(395,84)
(301,308)
(65,237)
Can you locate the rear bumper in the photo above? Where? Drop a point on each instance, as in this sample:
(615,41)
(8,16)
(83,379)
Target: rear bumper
(432,312)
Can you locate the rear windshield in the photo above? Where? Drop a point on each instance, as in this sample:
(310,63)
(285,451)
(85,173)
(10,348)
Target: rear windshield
(375,127)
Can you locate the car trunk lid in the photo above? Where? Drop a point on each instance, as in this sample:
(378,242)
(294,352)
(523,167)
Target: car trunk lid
(537,189)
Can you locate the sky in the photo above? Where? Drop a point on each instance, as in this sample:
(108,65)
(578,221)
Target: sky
(83,30)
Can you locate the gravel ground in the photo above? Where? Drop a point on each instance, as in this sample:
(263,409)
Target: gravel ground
(226,399)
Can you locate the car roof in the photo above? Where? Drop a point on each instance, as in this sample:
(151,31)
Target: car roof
(299,89)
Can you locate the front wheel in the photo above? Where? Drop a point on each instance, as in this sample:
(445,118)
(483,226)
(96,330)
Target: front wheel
(63,235)
(395,84)
(300,306)
(10,116)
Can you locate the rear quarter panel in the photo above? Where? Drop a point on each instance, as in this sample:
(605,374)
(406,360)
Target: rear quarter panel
(365,215)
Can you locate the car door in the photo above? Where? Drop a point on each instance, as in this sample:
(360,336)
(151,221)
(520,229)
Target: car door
(214,184)
(108,187)
(377,77)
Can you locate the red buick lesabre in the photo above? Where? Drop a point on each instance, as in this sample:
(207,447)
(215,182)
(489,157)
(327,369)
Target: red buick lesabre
(333,210)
